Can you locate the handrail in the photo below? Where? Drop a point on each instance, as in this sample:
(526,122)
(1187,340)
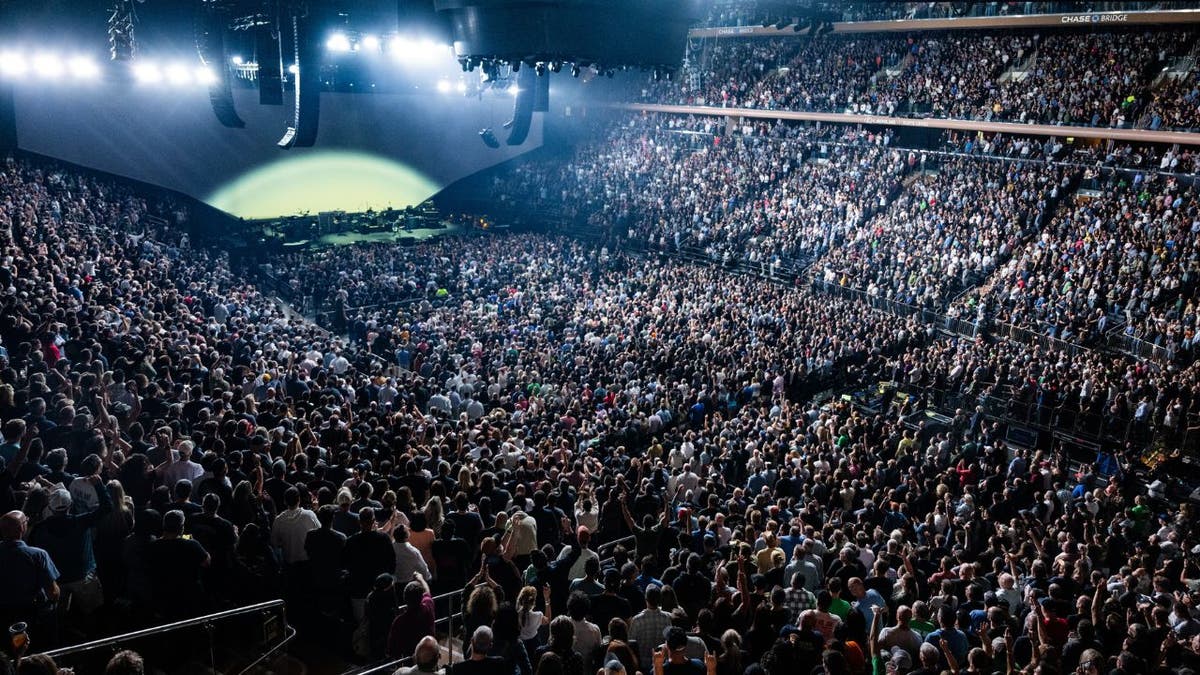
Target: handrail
(165,628)
(614,543)
(287,637)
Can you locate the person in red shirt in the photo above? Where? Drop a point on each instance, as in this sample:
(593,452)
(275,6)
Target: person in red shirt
(1054,629)
(414,621)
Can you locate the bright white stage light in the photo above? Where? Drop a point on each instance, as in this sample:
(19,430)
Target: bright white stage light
(443,86)
(294,69)
(13,64)
(147,72)
(178,74)
(205,76)
(370,42)
(84,68)
(514,89)
(338,42)
(415,51)
(237,60)
(48,66)
(462,87)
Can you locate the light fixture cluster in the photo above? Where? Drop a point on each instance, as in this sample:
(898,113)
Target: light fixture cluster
(53,67)
(403,48)
(48,66)
(176,74)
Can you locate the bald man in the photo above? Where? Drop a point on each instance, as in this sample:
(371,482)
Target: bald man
(425,658)
(901,635)
(30,577)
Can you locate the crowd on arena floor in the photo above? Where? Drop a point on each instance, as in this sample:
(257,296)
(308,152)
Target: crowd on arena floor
(1107,79)
(174,442)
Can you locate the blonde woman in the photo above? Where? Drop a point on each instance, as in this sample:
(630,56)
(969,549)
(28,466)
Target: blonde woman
(435,514)
(110,533)
(532,620)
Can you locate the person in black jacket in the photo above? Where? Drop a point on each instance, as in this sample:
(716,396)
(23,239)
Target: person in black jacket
(367,555)
(556,573)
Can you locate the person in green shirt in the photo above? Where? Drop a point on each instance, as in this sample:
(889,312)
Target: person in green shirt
(920,620)
(838,607)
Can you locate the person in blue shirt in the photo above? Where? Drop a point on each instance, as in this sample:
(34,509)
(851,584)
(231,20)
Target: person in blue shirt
(865,599)
(30,578)
(955,638)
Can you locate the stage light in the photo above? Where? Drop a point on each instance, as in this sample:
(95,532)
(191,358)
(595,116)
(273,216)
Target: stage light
(84,68)
(177,74)
(147,73)
(415,51)
(462,87)
(237,60)
(205,76)
(13,64)
(338,42)
(443,86)
(514,90)
(370,42)
(294,69)
(48,66)
(575,70)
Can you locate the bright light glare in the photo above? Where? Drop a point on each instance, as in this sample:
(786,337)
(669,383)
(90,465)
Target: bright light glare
(415,51)
(443,86)
(84,68)
(237,60)
(13,64)
(370,42)
(462,87)
(205,76)
(338,42)
(294,69)
(514,89)
(178,74)
(147,73)
(48,66)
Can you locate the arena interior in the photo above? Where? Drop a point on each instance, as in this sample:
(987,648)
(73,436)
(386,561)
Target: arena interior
(613,337)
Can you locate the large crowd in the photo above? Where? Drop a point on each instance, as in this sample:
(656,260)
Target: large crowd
(175,443)
(1109,79)
(626,455)
(1059,241)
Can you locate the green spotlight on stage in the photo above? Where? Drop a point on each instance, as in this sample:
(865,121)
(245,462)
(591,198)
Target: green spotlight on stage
(323,181)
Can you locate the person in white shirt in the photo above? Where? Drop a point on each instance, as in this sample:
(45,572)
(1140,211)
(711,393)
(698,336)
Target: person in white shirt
(578,570)
(587,513)
(408,558)
(292,527)
(175,469)
(522,535)
(84,498)
(531,619)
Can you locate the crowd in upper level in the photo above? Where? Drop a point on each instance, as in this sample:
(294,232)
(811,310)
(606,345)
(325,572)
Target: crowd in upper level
(1108,79)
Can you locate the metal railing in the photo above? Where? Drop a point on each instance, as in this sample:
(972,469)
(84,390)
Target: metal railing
(231,641)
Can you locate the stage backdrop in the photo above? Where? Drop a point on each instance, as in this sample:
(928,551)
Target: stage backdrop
(373,150)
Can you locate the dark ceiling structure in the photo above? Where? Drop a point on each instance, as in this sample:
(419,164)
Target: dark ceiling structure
(298,46)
